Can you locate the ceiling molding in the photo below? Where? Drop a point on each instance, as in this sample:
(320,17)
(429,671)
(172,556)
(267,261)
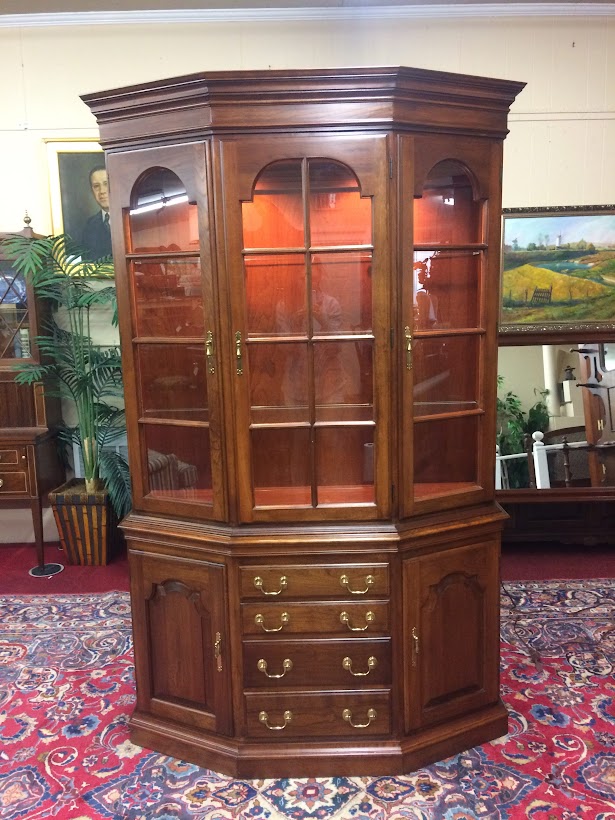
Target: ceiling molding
(253,15)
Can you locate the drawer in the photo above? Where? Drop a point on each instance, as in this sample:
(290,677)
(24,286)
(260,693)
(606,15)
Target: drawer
(326,664)
(337,618)
(16,482)
(306,581)
(12,457)
(350,714)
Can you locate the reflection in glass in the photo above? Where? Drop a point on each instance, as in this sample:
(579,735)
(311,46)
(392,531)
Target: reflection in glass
(281,466)
(274,218)
(276,294)
(445,456)
(445,374)
(161,218)
(446,289)
(167,298)
(172,381)
(446,213)
(341,293)
(349,479)
(175,467)
(338,213)
(278,385)
(14,320)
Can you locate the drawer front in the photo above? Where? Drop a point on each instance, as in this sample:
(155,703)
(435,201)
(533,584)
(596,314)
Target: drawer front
(339,618)
(13,483)
(294,582)
(350,714)
(327,664)
(11,457)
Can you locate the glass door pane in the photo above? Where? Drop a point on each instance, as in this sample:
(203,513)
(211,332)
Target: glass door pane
(14,316)
(309,341)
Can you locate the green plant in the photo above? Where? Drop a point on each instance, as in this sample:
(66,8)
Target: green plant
(85,375)
(513,425)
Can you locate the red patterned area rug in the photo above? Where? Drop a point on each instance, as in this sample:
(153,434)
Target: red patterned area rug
(67,689)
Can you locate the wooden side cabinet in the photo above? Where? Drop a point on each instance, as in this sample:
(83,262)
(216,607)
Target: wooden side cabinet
(29,464)
(307,277)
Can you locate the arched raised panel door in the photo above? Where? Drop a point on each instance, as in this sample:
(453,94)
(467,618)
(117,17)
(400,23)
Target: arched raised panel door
(451,633)
(179,615)
(170,348)
(309,295)
(449,290)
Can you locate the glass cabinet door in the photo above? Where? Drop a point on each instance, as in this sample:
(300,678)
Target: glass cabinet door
(171,357)
(444,339)
(306,340)
(15,330)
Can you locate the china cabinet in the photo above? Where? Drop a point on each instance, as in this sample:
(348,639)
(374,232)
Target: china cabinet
(307,274)
(29,463)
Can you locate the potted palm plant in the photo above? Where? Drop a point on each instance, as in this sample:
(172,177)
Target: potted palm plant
(88,378)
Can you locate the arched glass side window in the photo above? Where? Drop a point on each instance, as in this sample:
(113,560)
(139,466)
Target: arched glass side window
(447,345)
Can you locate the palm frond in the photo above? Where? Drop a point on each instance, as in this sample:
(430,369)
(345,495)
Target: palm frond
(115,473)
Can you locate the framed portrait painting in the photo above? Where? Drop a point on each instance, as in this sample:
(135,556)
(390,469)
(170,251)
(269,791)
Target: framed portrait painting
(558,274)
(72,200)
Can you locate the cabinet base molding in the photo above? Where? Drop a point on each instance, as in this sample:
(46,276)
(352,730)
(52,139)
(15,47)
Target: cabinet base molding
(374,758)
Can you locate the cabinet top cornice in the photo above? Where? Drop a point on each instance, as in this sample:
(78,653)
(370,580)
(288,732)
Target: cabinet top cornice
(226,102)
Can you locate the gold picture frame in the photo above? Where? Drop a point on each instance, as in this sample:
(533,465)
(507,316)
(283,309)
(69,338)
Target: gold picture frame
(558,274)
(70,162)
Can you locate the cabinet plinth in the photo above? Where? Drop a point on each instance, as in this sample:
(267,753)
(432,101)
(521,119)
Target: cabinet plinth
(307,275)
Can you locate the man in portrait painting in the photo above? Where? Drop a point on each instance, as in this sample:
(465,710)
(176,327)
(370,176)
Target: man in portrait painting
(96,237)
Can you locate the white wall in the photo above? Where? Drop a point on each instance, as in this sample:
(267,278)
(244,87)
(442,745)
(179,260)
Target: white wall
(562,126)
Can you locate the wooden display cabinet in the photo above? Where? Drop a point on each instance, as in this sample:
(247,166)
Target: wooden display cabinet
(307,271)
(29,462)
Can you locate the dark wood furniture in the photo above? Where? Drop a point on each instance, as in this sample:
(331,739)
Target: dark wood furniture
(307,276)
(29,463)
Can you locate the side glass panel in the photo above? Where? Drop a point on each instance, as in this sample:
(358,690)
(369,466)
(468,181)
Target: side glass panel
(176,469)
(309,342)
(167,297)
(446,348)
(161,218)
(443,459)
(445,378)
(446,291)
(14,320)
(169,348)
(446,213)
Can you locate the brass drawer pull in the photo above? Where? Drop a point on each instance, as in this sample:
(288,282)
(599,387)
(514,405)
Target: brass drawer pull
(1,482)
(287,665)
(260,621)
(415,645)
(345,619)
(264,718)
(372,663)
(371,715)
(345,582)
(258,583)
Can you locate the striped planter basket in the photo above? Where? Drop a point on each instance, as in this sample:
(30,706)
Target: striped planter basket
(86,523)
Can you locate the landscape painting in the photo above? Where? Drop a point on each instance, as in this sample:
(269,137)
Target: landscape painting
(558,269)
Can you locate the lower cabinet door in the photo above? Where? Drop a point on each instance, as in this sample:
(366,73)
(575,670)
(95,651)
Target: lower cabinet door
(451,633)
(182,642)
(293,715)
